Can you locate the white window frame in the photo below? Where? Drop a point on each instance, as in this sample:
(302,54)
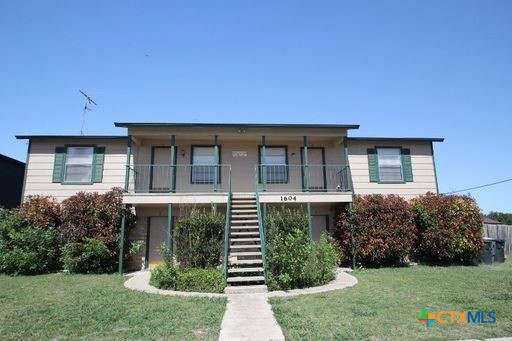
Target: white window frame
(379,164)
(69,163)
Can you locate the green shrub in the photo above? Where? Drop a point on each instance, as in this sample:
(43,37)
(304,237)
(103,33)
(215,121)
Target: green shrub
(164,276)
(41,211)
(92,256)
(293,260)
(199,239)
(26,250)
(201,280)
(168,277)
(384,230)
(95,216)
(449,228)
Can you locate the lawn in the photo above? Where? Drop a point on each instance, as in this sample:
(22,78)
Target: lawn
(61,306)
(385,304)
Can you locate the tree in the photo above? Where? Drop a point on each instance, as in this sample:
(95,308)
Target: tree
(504,218)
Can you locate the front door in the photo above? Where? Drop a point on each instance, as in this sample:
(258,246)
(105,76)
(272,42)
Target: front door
(157,235)
(161,159)
(313,176)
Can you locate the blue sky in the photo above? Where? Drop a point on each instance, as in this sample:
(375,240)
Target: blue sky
(397,68)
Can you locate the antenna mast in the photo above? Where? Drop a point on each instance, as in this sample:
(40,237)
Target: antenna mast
(88,102)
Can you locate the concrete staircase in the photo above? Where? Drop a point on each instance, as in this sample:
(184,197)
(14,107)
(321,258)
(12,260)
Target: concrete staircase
(245,263)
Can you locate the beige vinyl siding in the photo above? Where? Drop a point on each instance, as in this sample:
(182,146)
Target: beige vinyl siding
(38,179)
(422,168)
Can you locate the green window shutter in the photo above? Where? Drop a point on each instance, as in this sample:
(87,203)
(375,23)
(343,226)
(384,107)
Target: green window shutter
(58,164)
(99,161)
(373,164)
(407,165)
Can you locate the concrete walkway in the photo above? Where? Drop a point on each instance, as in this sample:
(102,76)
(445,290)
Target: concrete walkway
(249,317)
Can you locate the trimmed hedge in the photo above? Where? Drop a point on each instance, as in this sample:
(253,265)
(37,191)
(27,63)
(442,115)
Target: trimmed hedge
(92,256)
(384,230)
(449,228)
(200,238)
(168,277)
(293,260)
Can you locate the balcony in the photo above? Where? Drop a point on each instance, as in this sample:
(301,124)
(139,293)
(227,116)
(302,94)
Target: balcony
(185,183)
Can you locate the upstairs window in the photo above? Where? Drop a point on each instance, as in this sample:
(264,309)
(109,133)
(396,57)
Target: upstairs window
(204,165)
(276,165)
(79,164)
(390,164)
(82,165)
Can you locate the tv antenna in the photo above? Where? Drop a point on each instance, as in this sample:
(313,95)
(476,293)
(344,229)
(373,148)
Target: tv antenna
(87,107)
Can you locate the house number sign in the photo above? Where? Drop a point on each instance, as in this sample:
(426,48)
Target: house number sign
(288,198)
(239,153)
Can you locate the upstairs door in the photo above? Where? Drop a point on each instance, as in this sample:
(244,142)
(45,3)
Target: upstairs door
(313,176)
(160,170)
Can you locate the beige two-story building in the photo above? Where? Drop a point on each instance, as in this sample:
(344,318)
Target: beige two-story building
(166,169)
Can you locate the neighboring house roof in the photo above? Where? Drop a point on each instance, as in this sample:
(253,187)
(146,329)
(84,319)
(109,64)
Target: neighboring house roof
(488,220)
(11,160)
(431,139)
(85,137)
(245,125)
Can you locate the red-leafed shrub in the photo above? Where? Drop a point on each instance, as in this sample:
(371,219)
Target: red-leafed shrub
(95,216)
(449,228)
(384,230)
(41,211)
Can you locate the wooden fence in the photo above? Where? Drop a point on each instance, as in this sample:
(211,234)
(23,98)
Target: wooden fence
(500,232)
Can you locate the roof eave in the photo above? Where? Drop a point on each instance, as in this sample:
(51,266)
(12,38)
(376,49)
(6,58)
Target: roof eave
(244,125)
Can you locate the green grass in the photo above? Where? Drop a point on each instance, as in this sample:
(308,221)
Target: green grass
(385,304)
(60,306)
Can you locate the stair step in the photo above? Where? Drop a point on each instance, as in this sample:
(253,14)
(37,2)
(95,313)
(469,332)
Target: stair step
(244,254)
(244,221)
(246,289)
(244,217)
(251,227)
(236,240)
(246,262)
(244,211)
(245,279)
(242,270)
(253,246)
(250,233)
(243,200)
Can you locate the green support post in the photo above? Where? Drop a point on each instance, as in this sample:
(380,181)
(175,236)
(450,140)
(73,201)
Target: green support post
(306,165)
(121,241)
(310,222)
(128,155)
(263,163)
(217,158)
(352,237)
(172,170)
(169,228)
(347,166)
